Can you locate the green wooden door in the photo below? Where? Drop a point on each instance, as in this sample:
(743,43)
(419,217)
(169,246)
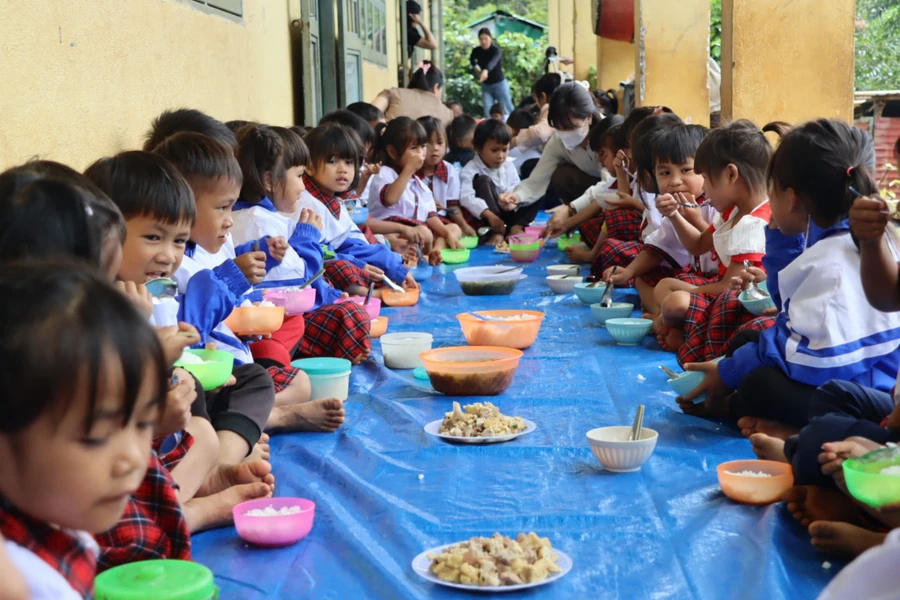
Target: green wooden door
(351,21)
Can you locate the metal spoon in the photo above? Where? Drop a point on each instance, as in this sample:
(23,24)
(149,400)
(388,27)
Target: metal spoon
(312,279)
(672,374)
(638,424)
(369,295)
(753,290)
(606,298)
(162,288)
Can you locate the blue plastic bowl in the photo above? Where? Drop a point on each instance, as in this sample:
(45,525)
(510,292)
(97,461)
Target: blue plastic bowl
(422,273)
(360,215)
(590,295)
(757,307)
(619,310)
(688,381)
(629,332)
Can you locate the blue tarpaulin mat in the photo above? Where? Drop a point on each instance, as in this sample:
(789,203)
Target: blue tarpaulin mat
(663,532)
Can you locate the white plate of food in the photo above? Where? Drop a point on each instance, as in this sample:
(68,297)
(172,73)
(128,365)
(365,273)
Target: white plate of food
(462,425)
(506,581)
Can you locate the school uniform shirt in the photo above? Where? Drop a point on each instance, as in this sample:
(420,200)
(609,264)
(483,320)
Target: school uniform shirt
(416,203)
(665,238)
(522,155)
(211,286)
(443,183)
(595,193)
(555,154)
(505,179)
(344,237)
(826,328)
(743,240)
(874,575)
(303,257)
(44,581)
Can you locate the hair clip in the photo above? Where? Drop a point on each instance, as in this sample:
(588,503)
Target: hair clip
(89,211)
(850,171)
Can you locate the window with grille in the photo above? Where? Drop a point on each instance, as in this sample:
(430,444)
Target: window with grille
(233,9)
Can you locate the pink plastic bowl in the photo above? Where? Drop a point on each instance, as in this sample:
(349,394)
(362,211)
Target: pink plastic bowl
(523,256)
(279,530)
(535,230)
(373,307)
(294,303)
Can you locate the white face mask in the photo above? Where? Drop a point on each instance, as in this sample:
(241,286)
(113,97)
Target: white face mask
(571,139)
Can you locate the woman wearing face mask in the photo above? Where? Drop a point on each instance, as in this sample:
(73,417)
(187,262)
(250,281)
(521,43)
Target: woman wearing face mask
(567,164)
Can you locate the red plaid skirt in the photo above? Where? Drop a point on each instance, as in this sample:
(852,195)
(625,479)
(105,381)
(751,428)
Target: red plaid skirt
(591,230)
(405,221)
(153,525)
(282,376)
(615,253)
(338,330)
(709,324)
(623,224)
(341,274)
(665,269)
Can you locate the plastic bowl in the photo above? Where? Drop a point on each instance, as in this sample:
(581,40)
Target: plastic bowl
(378,327)
(561,284)
(616,452)
(255,320)
(422,273)
(469,241)
(565,242)
(359,215)
(214,372)
(373,308)
(518,334)
(278,530)
(755,490)
(868,485)
(618,310)
(525,256)
(471,370)
(294,302)
(487,281)
(455,257)
(407,298)
(688,381)
(629,332)
(402,350)
(756,307)
(590,295)
(536,230)
(564,270)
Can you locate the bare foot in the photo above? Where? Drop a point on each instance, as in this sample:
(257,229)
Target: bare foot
(362,357)
(435,258)
(495,239)
(751,425)
(808,503)
(261,450)
(670,338)
(767,447)
(712,408)
(580,255)
(215,510)
(223,477)
(843,540)
(316,415)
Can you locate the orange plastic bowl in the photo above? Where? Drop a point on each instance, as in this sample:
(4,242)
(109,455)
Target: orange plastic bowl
(506,334)
(255,320)
(378,327)
(392,298)
(755,490)
(471,370)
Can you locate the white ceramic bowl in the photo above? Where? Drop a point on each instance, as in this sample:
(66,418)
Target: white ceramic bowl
(616,453)
(564,270)
(402,350)
(560,284)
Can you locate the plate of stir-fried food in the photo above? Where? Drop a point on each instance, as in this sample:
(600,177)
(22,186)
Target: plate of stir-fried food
(479,423)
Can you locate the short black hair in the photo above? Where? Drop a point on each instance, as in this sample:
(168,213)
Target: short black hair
(491,129)
(299,130)
(741,143)
(413,7)
(50,210)
(497,109)
(637,115)
(546,85)
(352,121)
(451,103)
(64,314)
(260,151)
(369,112)
(145,184)
(459,129)
(200,158)
(431,126)
(675,145)
(603,131)
(296,153)
(571,101)
(333,141)
(236,125)
(642,148)
(170,122)
(520,119)
(400,134)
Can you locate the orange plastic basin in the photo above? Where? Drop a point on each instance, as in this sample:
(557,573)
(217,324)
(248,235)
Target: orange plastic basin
(255,320)
(471,370)
(378,327)
(392,298)
(755,490)
(506,334)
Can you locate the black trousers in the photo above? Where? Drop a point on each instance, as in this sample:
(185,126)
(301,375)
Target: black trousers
(487,191)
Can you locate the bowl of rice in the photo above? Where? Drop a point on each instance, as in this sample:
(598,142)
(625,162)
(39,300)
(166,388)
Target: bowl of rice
(274,522)
(755,481)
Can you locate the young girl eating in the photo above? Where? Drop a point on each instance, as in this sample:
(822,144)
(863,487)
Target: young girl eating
(400,202)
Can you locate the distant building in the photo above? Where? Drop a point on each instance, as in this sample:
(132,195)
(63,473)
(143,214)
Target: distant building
(501,21)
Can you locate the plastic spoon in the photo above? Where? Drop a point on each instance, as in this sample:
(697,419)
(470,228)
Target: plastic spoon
(393,285)
(638,424)
(312,279)
(754,290)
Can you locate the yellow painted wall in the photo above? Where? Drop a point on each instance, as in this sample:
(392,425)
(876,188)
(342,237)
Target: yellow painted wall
(671,58)
(561,22)
(615,62)
(797,67)
(375,77)
(584,40)
(83,79)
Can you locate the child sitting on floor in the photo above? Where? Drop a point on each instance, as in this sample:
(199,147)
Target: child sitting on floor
(400,202)
(369,166)
(441,177)
(498,112)
(523,157)
(826,328)
(460,136)
(488,178)
(76,438)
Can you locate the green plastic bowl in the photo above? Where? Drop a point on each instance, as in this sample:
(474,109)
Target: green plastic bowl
(469,241)
(157,579)
(868,485)
(455,257)
(214,372)
(564,242)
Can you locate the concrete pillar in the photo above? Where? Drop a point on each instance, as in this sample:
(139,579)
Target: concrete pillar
(787,60)
(671,51)
(615,63)
(561,22)
(585,42)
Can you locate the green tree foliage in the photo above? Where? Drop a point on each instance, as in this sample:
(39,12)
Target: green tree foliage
(878,45)
(523,58)
(715,30)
